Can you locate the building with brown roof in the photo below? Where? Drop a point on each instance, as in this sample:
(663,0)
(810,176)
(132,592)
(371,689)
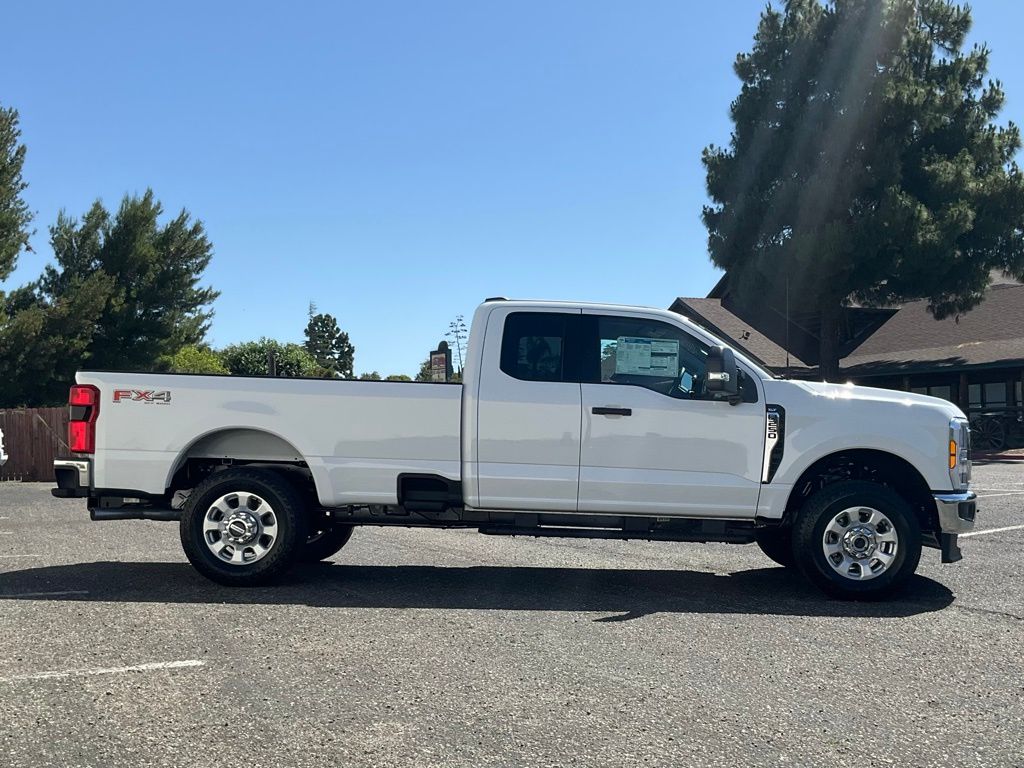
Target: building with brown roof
(975,360)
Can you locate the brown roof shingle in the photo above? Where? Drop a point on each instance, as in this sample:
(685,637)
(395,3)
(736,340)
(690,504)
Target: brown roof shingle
(712,315)
(910,340)
(992,332)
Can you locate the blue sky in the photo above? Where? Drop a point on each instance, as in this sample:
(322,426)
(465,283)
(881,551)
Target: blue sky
(397,162)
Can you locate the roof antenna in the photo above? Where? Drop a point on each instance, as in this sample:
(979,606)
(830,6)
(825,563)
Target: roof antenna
(787,325)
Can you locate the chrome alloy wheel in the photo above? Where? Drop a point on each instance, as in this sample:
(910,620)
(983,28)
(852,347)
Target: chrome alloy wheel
(860,543)
(240,528)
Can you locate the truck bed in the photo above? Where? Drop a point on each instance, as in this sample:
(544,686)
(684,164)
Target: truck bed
(355,436)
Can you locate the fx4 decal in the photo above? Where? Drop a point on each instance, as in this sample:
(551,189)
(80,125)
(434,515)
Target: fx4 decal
(142,396)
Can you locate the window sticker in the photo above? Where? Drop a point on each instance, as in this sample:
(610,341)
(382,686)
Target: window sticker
(640,356)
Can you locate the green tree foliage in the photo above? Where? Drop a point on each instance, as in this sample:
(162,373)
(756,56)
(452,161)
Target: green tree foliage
(423,374)
(122,295)
(398,377)
(195,359)
(155,305)
(864,164)
(371,376)
(15,215)
(251,358)
(43,342)
(329,345)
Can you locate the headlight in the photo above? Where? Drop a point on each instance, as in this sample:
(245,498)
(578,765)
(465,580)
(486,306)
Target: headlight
(959,453)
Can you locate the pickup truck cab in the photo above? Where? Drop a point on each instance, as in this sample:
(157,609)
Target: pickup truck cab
(573,420)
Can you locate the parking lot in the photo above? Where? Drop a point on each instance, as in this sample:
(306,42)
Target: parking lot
(435,648)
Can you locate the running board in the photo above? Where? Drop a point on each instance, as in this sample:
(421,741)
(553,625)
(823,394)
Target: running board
(131,508)
(705,531)
(134,513)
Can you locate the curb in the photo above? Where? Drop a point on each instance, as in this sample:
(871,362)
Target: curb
(1013,457)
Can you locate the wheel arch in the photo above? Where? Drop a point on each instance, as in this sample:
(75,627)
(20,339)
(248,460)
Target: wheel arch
(871,464)
(234,445)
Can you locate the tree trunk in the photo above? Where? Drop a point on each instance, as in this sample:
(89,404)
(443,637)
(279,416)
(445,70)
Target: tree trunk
(828,344)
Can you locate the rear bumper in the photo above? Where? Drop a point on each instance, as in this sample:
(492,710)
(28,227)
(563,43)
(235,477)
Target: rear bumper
(73,477)
(957,512)
(74,482)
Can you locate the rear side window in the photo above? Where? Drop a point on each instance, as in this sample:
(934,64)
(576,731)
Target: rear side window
(533,346)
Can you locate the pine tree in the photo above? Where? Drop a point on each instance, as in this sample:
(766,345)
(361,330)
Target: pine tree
(15,215)
(122,295)
(156,305)
(865,164)
(329,345)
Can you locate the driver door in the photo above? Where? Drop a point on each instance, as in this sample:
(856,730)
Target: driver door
(653,441)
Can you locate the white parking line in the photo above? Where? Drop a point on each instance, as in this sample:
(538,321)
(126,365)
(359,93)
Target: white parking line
(6,533)
(1000,493)
(105,671)
(6,556)
(43,594)
(993,530)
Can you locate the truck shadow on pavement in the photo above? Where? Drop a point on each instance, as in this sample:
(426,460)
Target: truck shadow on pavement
(627,594)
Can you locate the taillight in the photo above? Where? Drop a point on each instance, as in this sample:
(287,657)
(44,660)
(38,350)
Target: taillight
(84,408)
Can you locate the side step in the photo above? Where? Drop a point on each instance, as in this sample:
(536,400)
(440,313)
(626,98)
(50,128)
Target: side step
(119,508)
(727,531)
(137,513)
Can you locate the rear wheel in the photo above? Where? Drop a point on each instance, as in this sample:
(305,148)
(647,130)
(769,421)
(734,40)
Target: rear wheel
(857,540)
(323,541)
(777,544)
(243,527)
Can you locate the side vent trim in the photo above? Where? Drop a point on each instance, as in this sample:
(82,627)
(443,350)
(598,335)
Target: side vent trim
(774,441)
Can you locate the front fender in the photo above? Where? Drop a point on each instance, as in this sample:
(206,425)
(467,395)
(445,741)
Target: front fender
(827,419)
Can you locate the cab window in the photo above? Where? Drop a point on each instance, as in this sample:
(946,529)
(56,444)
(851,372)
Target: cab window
(533,346)
(658,356)
(651,354)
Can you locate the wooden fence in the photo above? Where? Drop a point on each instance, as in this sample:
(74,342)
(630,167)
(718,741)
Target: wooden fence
(33,438)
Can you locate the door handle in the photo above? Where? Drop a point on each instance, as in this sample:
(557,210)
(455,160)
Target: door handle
(599,410)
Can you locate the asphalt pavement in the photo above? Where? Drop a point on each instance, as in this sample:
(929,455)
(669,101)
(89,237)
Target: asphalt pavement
(448,648)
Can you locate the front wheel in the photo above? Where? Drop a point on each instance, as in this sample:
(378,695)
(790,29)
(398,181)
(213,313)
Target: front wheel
(857,540)
(243,527)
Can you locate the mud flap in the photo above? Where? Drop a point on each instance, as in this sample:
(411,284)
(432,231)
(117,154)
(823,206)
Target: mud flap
(950,548)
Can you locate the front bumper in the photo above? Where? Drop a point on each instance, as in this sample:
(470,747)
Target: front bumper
(73,478)
(957,512)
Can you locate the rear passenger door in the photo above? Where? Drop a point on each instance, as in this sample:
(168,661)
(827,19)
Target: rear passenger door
(529,411)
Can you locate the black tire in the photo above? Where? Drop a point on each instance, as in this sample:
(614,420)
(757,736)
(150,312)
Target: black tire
(281,552)
(777,544)
(820,510)
(324,543)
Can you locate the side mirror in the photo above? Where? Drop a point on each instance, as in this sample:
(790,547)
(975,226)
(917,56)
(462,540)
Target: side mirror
(722,375)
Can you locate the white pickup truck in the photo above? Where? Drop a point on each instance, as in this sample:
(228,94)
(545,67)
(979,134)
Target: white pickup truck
(573,420)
